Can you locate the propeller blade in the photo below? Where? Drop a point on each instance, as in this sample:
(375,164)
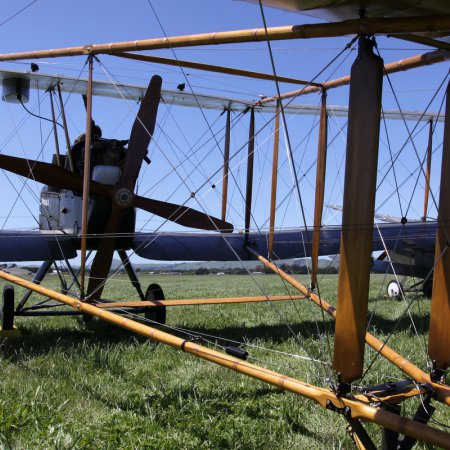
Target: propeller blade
(50,174)
(101,264)
(182,215)
(141,133)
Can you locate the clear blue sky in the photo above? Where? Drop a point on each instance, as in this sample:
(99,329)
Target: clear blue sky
(52,24)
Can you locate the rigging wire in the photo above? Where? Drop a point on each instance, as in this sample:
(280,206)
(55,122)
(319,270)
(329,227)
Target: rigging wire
(289,148)
(390,154)
(410,133)
(205,337)
(396,325)
(17,13)
(231,248)
(422,163)
(195,97)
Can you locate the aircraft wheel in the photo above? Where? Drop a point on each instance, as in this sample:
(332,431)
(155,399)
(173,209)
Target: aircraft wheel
(427,288)
(158,313)
(394,290)
(7,309)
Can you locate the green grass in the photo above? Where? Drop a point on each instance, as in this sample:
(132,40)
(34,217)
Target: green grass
(64,386)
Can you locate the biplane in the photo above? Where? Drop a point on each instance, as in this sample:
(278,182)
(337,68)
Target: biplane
(90,197)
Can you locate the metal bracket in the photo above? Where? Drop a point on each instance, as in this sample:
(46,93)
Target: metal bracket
(388,389)
(437,375)
(342,389)
(192,339)
(355,428)
(423,415)
(345,410)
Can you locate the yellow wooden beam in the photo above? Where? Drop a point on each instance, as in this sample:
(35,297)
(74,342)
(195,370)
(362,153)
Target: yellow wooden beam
(435,23)
(199,301)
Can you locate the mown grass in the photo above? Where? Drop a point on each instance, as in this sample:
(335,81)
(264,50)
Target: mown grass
(64,386)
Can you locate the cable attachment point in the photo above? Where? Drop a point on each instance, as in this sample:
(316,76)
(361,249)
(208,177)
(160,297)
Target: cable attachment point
(437,375)
(192,339)
(342,388)
(345,411)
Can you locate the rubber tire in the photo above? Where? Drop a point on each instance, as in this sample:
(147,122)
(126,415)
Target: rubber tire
(158,313)
(7,308)
(427,288)
(392,295)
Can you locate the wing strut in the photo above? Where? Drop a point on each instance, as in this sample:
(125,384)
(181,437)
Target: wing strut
(439,339)
(273,195)
(428,170)
(86,177)
(358,211)
(250,161)
(320,187)
(55,131)
(226,166)
(66,130)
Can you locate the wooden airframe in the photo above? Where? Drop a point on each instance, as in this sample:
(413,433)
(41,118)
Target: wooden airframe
(351,335)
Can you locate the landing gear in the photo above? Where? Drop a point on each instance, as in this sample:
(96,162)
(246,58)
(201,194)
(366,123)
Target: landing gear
(7,309)
(427,288)
(155,313)
(394,290)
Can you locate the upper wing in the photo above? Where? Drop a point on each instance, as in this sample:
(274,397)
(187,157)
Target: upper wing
(133,92)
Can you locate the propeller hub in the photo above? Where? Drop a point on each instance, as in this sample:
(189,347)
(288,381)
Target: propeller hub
(123,197)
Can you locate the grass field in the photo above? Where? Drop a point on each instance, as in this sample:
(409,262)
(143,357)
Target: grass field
(64,386)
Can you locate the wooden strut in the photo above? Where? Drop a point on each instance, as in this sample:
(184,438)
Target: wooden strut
(432,23)
(320,187)
(355,408)
(216,69)
(419,39)
(442,391)
(439,337)
(358,211)
(428,170)
(200,301)
(273,192)
(66,129)
(55,131)
(397,66)
(226,166)
(250,163)
(86,178)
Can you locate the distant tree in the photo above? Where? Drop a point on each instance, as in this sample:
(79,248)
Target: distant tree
(328,270)
(202,271)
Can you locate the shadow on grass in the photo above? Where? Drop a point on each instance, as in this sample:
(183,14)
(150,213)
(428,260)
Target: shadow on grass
(275,333)
(37,340)
(403,324)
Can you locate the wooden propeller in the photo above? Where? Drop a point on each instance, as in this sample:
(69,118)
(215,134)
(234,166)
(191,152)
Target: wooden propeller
(122,194)
(60,178)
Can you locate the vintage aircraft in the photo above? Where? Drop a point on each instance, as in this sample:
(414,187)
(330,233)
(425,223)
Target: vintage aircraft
(114,167)
(411,256)
(89,200)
